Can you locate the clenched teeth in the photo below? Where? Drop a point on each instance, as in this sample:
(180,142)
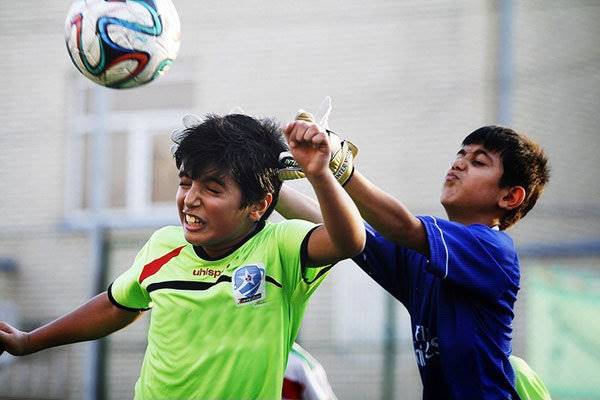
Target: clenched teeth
(190,219)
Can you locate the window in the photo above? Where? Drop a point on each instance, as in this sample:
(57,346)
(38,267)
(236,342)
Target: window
(120,170)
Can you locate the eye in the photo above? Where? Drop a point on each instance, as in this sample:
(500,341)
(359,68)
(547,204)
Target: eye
(478,163)
(213,190)
(184,182)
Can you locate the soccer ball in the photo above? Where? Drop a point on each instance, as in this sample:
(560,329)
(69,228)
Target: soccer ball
(122,43)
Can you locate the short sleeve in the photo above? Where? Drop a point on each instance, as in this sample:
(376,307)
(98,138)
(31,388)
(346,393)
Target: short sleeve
(385,262)
(126,291)
(474,257)
(292,239)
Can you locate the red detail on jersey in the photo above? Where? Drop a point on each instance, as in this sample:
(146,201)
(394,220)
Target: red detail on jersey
(152,267)
(291,390)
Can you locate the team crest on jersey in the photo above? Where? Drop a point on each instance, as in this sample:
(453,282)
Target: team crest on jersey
(248,284)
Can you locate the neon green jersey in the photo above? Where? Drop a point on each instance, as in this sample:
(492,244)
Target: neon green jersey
(219,329)
(528,384)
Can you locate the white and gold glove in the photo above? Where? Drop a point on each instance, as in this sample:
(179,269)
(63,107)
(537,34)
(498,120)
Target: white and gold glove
(342,154)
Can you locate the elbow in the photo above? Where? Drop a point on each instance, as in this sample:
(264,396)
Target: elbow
(354,244)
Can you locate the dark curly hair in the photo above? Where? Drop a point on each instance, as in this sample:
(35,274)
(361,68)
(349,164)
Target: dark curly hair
(524,161)
(235,145)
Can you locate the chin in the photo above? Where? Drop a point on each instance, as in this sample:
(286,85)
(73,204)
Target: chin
(444,201)
(447,204)
(192,240)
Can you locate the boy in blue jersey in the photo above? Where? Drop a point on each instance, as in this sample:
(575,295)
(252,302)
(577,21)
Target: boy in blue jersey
(458,278)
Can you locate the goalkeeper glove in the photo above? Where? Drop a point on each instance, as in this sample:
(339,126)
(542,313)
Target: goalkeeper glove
(342,154)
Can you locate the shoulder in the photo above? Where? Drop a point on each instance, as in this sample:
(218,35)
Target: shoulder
(480,233)
(496,241)
(476,240)
(168,232)
(168,236)
(289,228)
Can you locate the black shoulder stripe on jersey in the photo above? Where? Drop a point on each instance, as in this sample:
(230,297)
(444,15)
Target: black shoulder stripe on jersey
(193,285)
(121,306)
(304,258)
(304,248)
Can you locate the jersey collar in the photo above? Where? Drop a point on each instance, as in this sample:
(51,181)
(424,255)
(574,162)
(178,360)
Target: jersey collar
(202,254)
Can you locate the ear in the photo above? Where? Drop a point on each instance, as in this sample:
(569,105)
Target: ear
(513,198)
(257,210)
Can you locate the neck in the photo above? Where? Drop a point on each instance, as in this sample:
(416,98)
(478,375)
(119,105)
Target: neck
(221,250)
(473,218)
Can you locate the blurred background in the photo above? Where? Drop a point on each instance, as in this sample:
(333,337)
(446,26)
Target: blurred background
(86,174)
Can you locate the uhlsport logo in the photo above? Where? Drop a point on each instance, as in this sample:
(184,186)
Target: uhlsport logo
(248,284)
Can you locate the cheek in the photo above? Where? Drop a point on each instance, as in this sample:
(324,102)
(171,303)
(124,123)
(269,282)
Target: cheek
(179,197)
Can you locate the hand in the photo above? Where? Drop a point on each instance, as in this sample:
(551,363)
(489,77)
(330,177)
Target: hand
(309,145)
(13,340)
(343,152)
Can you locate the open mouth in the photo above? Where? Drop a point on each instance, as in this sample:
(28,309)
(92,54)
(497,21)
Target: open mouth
(193,222)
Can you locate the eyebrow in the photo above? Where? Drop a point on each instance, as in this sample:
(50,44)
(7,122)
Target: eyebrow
(463,152)
(213,178)
(205,178)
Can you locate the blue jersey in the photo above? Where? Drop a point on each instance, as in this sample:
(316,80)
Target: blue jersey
(460,301)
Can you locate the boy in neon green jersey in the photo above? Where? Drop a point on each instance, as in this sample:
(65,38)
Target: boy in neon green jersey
(227,289)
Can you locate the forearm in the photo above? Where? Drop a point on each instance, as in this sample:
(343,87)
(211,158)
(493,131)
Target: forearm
(294,205)
(386,214)
(95,319)
(341,218)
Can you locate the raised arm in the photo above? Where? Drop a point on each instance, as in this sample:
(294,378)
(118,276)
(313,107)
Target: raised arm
(95,319)
(386,214)
(343,234)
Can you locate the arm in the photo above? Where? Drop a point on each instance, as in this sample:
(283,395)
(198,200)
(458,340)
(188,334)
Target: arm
(292,204)
(95,319)
(343,233)
(387,215)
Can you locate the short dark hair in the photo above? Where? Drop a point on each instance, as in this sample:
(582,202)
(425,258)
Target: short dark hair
(235,145)
(524,162)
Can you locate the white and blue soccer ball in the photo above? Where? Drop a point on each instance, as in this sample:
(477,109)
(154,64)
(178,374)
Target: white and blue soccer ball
(122,43)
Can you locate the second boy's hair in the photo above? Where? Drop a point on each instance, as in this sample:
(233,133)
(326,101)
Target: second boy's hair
(235,145)
(524,162)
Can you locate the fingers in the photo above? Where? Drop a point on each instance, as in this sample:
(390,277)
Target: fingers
(301,132)
(4,327)
(11,339)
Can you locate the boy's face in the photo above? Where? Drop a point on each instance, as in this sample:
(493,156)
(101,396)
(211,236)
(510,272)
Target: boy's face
(210,213)
(472,183)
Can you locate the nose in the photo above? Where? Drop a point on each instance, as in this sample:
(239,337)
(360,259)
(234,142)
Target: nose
(192,196)
(459,164)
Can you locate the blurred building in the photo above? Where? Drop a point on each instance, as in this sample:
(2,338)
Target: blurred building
(408,79)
